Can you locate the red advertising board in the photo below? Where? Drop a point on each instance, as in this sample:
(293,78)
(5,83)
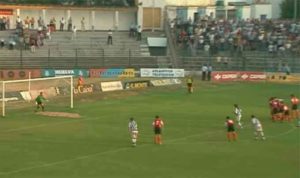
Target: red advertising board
(6,12)
(225,76)
(16,74)
(253,76)
(238,76)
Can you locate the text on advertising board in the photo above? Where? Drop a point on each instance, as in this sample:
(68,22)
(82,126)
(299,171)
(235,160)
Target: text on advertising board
(238,76)
(6,12)
(111,86)
(120,73)
(136,84)
(153,72)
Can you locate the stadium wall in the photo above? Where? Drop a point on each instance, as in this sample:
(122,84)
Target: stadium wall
(258,11)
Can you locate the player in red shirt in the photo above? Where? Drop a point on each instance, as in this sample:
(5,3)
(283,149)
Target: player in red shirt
(295,103)
(286,113)
(273,103)
(231,134)
(157,124)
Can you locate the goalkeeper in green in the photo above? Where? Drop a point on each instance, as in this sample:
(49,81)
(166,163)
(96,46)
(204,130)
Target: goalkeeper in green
(40,102)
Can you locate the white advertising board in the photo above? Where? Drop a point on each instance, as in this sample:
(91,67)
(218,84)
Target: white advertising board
(111,86)
(161,72)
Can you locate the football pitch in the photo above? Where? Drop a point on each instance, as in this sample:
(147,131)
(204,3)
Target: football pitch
(194,137)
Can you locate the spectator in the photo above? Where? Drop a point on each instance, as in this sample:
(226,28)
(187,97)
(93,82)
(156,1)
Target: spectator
(32,45)
(83,24)
(2,43)
(109,37)
(139,33)
(132,30)
(209,71)
(32,22)
(74,34)
(204,72)
(62,23)
(70,24)
(7,23)
(40,22)
(18,22)
(12,44)
(27,22)
(286,69)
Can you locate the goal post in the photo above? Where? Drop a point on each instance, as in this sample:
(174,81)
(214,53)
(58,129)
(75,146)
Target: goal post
(37,84)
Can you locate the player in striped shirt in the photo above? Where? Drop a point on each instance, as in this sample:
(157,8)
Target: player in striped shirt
(258,129)
(133,130)
(238,115)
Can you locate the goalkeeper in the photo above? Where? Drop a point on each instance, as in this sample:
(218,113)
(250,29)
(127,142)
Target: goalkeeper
(40,102)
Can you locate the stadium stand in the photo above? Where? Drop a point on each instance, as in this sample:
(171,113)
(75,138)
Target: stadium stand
(237,45)
(89,49)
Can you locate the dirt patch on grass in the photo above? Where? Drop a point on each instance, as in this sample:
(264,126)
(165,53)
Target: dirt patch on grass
(60,114)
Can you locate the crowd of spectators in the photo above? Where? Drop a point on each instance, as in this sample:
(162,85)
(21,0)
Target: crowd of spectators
(31,32)
(4,23)
(218,35)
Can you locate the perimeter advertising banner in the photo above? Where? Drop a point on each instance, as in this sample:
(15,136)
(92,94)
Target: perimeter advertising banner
(238,76)
(112,73)
(136,84)
(111,86)
(74,72)
(164,82)
(17,74)
(12,96)
(161,72)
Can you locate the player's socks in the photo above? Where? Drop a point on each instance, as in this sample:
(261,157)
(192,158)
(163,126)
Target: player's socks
(159,140)
(228,136)
(134,142)
(234,134)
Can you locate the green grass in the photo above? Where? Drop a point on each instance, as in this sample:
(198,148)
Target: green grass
(195,146)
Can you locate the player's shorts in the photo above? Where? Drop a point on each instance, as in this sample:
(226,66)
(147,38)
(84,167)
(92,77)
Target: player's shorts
(259,128)
(230,129)
(286,113)
(238,117)
(157,130)
(39,103)
(294,107)
(134,132)
(274,111)
(189,85)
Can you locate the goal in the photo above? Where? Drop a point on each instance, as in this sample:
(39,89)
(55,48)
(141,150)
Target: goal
(15,92)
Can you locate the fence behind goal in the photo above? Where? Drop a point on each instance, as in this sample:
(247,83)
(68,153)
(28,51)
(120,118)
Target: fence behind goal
(22,93)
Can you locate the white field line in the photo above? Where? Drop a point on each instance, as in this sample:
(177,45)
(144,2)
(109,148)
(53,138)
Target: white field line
(122,149)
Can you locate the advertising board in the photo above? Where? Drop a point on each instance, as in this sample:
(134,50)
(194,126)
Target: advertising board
(111,86)
(161,72)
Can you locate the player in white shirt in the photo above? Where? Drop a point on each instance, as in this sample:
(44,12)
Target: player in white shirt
(133,130)
(238,115)
(258,129)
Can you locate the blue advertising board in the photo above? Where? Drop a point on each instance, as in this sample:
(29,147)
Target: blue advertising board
(74,72)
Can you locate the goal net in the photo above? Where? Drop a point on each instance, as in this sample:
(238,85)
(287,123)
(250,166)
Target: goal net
(18,93)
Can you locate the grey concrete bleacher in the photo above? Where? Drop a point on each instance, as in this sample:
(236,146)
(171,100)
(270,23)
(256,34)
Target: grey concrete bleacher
(94,43)
(88,50)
